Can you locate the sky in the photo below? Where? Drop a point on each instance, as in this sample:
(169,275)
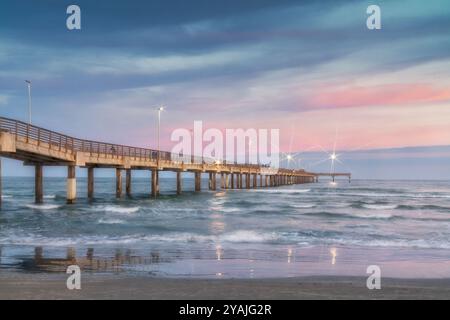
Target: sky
(309,68)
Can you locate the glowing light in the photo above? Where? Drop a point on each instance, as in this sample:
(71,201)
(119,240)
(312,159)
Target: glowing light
(219,253)
(289,255)
(333,156)
(333,252)
(289,157)
(217,162)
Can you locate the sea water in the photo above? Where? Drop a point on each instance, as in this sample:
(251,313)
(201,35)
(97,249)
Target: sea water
(298,230)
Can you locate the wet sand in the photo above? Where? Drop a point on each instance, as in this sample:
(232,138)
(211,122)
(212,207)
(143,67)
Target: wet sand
(44,286)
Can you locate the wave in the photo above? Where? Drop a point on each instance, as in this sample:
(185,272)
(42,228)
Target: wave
(380,206)
(6,196)
(358,215)
(303,206)
(110,221)
(50,196)
(293,191)
(116,209)
(244,236)
(43,206)
(391,195)
(239,236)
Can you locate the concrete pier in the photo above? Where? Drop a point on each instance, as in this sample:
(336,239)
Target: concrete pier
(40,147)
(128,182)
(90,183)
(38,187)
(179,183)
(198,181)
(118,183)
(155,179)
(71,185)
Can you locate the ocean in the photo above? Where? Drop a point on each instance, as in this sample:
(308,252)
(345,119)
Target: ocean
(315,229)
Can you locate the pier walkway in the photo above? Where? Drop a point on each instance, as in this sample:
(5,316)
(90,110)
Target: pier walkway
(40,147)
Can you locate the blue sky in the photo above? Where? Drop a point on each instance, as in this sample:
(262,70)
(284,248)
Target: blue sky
(309,68)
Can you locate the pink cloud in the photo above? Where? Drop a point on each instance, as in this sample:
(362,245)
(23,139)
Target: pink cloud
(393,94)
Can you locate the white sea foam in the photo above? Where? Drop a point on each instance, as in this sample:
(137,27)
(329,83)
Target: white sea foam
(5,196)
(280,190)
(304,205)
(240,236)
(117,209)
(376,215)
(247,236)
(43,206)
(110,221)
(50,196)
(380,206)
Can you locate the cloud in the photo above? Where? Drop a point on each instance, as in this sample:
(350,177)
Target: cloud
(4,99)
(386,94)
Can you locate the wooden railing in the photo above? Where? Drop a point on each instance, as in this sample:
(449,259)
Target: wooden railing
(58,141)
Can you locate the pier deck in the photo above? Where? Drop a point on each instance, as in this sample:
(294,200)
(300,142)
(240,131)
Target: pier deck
(40,147)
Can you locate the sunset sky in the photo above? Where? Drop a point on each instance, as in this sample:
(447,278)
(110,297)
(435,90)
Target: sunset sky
(309,68)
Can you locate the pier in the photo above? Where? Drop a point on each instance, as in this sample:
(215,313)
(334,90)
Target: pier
(40,147)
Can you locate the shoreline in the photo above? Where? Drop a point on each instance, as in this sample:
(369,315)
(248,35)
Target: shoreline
(97,286)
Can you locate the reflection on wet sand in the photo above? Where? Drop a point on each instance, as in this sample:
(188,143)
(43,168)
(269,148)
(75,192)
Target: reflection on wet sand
(88,262)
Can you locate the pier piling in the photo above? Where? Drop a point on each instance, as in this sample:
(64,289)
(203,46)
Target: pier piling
(128,182)
(38,188)
(118,183)
(71,184)
(154,182)
(198,181)
(90,185)
(179,183)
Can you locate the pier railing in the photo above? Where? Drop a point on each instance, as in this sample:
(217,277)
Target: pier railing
(57,141)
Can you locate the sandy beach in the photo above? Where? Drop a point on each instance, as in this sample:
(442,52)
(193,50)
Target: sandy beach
(43,286)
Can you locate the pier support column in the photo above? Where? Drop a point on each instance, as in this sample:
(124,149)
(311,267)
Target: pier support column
(222,180)
(227,181)
(128,182)
(232,180)
(210,181)
(90,183)
(198,181)
(214,179)
(118,183)
(179,182)
(38,189)
(255,180)
(260,180)
(155,183)
(71,185)
(239,180)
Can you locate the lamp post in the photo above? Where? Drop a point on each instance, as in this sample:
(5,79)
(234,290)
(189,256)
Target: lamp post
(29,100)
(159,109)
